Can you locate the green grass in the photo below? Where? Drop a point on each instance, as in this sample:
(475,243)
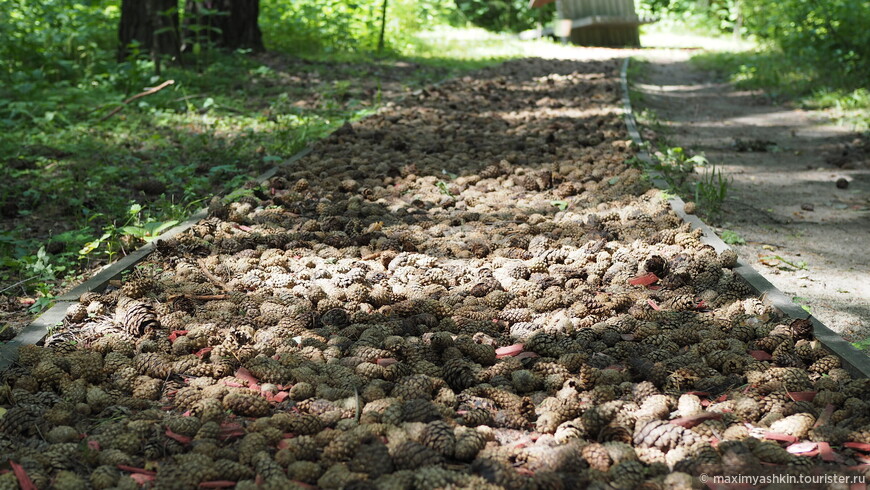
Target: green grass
(784,79)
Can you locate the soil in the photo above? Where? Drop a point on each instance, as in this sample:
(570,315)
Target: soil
(784,199)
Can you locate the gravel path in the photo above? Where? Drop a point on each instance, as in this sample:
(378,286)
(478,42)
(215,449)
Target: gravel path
(785,199)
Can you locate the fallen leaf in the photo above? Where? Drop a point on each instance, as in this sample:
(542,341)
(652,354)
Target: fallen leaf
(760,355)
(653,304)
(776,436)
(644,280)
(510,350)
(860,446)
(177,333)
(142,479)
(802,396)
(24,480)
(826,452)
(246,375)
(133,469)
(693,420)
(802,447)
(217,484)
(178,437)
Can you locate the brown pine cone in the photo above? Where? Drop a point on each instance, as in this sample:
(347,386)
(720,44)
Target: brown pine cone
(247,404)
(596,456)
(662,435)
(438,435)
(410,455)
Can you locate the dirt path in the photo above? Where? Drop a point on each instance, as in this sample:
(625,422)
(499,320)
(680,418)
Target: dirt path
(784,199)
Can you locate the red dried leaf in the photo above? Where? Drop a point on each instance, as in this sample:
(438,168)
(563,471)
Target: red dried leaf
(200,353)
(135,470)
(178,437)
(802,447)
(93,445)
(644,280)
(254,387)
(142,479)
(246,375)
(27,301)
(693,420)
(230,430)
(802,396)
(698,393)
(653,304)
(177,333)
(244,228)
(826,452)
(233,384)
(24,480)
(760,355)
(509,350)
(776,436)
(386,361)
(280,396)
(860,446)
(217,484)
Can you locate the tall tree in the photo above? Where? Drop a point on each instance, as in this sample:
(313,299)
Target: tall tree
(152,24)
(230,24)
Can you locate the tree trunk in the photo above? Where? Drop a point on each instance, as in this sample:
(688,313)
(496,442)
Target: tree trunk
(230,24)
(152,24)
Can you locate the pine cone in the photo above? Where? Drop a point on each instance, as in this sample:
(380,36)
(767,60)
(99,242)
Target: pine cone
(410,455)
(438,435)
(135,316)
(247,404)
(662,435)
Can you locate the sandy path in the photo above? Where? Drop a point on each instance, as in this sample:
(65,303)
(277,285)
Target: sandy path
(784,200)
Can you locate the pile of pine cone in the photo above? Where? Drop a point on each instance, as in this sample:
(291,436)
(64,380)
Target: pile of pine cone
(471,289)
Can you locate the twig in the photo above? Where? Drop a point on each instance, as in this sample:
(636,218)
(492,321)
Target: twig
(17,283)
(211,277)
(150,91)
(199,297)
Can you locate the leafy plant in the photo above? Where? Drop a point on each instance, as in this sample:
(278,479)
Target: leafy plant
(444,189)
(862,344)
(732,238)
(711,189)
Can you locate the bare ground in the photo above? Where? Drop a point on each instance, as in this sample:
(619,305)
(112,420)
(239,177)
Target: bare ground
(784,199)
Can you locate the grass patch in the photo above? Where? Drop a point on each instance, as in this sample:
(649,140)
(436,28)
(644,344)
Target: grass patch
(784,79)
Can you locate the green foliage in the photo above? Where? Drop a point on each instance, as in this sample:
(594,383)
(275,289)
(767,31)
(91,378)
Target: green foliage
(830,34)
(711,189)
(711,16)
(732,238)
(327,27)
(505,15)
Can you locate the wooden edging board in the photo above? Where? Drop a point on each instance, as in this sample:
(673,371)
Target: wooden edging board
(855,361)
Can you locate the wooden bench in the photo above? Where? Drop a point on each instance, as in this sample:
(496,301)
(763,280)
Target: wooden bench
(593,22)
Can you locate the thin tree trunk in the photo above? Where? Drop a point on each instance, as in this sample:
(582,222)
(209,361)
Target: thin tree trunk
(383,27)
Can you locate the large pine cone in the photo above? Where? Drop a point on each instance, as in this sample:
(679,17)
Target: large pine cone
(411,455)
(247,404)
(135,316)
(662,435)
